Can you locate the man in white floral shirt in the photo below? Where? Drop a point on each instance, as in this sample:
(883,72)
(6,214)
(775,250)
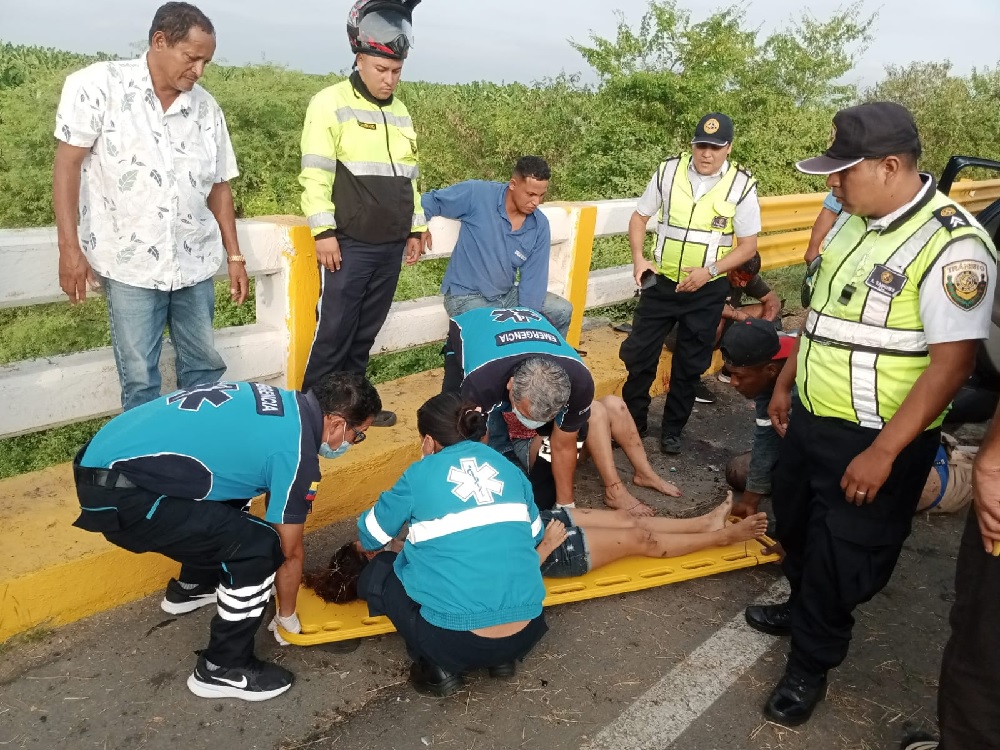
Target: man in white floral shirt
(142,200)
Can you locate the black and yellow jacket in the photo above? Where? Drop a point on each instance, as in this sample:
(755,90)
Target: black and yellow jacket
(359,165)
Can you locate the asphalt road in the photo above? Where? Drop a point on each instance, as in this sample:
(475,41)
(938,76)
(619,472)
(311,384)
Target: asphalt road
(668,667)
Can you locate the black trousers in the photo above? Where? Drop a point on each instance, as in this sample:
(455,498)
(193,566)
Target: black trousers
(455,651)
(214,541)
(353,305)
(837,554)
(969,691)
(660,308)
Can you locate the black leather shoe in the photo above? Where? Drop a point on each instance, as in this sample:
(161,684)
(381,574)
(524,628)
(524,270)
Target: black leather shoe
(430,679)
(503,671)
(918,740)
(794,698)
(670,444)
(773,619)
(384,419)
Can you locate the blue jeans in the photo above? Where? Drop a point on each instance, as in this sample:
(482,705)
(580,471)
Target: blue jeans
(557,309)
(138,316)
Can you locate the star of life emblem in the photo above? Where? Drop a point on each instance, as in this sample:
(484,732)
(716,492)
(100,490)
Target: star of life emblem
(475,480)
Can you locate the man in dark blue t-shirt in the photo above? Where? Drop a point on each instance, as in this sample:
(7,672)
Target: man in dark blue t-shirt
(174,476)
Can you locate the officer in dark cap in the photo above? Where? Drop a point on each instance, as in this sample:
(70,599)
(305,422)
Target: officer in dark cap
(708,219)
(897,307)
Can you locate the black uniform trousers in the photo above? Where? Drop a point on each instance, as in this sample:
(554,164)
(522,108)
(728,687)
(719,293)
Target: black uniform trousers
(353,305)
(455,651)
(969,690)
(697,315)
(837,554)
(217,539)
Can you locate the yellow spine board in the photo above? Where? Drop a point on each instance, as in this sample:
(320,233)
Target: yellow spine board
(326,623)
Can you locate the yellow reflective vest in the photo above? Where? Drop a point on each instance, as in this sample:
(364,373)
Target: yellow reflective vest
(690,233)
(863,345)
(359,165)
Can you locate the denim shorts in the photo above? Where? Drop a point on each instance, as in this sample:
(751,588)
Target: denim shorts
(571,558)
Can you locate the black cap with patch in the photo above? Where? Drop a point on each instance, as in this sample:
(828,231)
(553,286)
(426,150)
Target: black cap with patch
(867,131)
(754,342)
(715,128)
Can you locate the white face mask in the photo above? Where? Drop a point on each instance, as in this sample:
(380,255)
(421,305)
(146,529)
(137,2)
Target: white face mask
(531,424)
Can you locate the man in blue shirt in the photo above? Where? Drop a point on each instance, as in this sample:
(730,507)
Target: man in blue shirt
(174,476)
(502,234)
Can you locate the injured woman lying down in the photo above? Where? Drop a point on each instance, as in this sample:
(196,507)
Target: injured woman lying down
(464,589)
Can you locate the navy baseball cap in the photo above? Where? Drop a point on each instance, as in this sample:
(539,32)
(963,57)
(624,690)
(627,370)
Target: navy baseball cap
(867,131)
(715,128)
(754,342)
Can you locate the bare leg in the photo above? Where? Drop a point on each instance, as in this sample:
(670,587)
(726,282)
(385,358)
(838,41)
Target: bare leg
(597,518)
(598,444)
(625,434)
(609,544)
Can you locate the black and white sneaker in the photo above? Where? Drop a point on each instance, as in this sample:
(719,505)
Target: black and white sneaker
(179,601)
(702,395)
(259,681)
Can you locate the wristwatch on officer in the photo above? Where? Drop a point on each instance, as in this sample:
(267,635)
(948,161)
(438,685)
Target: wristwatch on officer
(713,270)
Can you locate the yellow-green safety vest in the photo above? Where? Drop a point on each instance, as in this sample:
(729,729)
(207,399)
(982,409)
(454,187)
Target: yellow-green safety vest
(863,344)
(690,233)
(359,165)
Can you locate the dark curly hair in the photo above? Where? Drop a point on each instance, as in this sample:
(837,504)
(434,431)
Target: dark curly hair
(349,394)
(338,582)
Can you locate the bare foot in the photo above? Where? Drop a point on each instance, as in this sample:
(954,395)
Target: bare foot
(619,498)
(656,482)
(718,518)
(747,528)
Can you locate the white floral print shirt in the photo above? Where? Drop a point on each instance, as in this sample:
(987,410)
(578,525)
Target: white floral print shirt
(144,217)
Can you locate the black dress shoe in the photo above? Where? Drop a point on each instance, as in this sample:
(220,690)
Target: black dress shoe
(670,444)
(384,419)
(430,679)
(773,619)
(503,671)
(794,698)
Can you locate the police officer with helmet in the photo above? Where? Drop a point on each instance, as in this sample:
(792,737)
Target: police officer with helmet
(898,303)
(360,197)
(708,218)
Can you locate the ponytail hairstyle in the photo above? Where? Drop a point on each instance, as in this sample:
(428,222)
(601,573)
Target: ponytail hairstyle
(449,420)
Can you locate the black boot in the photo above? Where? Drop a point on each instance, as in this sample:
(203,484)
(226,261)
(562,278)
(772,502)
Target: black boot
(794,698)
(430,679)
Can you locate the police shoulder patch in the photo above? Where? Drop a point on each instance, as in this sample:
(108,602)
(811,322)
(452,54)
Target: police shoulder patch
(965,282)
(951,218)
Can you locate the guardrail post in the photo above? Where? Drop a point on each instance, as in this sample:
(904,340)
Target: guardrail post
(302,276)
(582,237)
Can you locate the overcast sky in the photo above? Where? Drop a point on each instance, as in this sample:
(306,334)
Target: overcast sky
(466,40)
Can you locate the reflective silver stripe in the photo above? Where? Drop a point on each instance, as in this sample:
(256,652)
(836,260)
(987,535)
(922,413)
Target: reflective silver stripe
(314,161)
(373,117)
(864,389)
(373,528)
(225,614)
(853,335)
(473,518)
(763,422)
(739,186)
(382,169)
(537,527)
(666,184)
(233,603)
(322,219)
(712,251)
(877,305)
(250,590)
(418,220)
(696,236)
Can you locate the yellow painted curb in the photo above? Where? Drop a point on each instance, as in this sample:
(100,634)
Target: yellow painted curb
(52,573)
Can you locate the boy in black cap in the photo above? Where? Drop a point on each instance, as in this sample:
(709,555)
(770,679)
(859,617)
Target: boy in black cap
(754,354)
(708,218)
(896,312)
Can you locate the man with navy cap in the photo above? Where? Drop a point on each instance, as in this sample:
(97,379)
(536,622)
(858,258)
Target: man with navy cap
(755,354)
(708,219)
(896,311)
